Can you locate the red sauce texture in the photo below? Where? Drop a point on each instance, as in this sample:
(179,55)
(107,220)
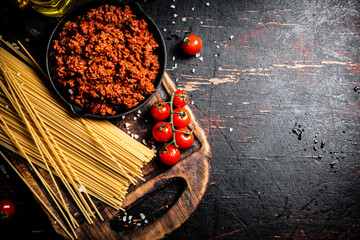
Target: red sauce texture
(105,60)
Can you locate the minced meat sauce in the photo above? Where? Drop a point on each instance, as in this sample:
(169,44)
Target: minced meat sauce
(105,60)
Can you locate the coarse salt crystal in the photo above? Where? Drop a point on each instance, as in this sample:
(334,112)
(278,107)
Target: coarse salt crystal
(193,8)
(6,106)
(154,150)
(14,44)
(176,80)
(139,112)
(22,84)
(193,70)
(144,142)
(130,217)
(217,46)
(215,55)
(18,74)
(201,22)
(138,224)
(231,129)
(71,91)
(173,22)
(201,58)
(124,218)
(146,221)
(207,4)
(231,37)
(128,132)
(16,47)
(175,15)
(183,19)
(220,68)
(138,115)
(173,58)
(132,135)
(197,55)
(175,66)
(135,118)
(172,6)
(142,216)
(164,29)
(123,117)
(27,39)
(146,120)
(55,222)
(192,102)
(127,124)
(136,136)
(81,189)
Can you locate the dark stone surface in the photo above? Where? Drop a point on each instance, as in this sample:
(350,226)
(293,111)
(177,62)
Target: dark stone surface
(290,69)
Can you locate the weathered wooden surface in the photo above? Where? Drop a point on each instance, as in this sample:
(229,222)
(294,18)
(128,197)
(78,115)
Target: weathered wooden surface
(290,68)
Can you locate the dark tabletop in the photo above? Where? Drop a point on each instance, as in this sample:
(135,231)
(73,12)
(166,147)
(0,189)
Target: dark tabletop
(275,90)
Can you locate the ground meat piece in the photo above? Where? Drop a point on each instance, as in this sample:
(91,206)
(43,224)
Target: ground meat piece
(105,60)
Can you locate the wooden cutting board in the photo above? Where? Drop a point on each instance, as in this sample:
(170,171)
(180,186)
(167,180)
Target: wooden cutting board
(163,215)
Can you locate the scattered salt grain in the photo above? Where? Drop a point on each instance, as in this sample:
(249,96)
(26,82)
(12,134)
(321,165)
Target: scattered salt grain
(138,224)
(201,58)
(0,36)
(132,135)
(127,124)
(201,22)
(173,58)
(18,74)
(144,142)
(166,206)
(128,132)
(172,6)
(138,115)
(71,91)
(231,129)
(27,39)
(123,117)
(146,120)
(216,55)
(192,102)
(207,4)
(197,55)
(154,150)
(130,217)
(175,15)
(6,106)
(193,8)
(183,19)
(193,70)
(16,47)
(231,37)
(22,84)
(81,189)
(136,136)
(142,216)
(124,218)
(220,68)
(173,22)
(164,29)
(217,46)
(175,66)
(146,221)
(55,222)
(14,44)
(176,80)
(135,118)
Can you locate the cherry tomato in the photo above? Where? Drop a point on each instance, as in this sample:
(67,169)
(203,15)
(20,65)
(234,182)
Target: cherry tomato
(181,118)
(160,110)
(191,44)
(180,98)
(184,139)
(162,131)
(7,209)
(169,156)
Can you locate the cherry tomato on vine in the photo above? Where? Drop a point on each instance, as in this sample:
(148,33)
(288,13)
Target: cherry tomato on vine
(184,139)
(162,131)
(160,110)
(7,209)
(180,98)
(191,44)
(181,117)
(169,155)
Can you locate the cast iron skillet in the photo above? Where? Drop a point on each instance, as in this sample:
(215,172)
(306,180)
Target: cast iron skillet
(140,14)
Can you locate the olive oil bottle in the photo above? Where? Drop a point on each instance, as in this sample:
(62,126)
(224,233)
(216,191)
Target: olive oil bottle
(51,8)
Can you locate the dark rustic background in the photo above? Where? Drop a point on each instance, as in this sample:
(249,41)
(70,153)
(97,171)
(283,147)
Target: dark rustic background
(275,90)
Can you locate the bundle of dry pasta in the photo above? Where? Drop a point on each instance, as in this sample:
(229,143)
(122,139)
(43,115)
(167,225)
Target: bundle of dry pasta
(90,157)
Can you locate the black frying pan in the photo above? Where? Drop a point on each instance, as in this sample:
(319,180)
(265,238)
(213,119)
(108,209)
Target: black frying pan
(140,14)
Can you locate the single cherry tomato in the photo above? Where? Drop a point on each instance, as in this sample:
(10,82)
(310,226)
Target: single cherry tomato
(169,155)
(181,118)
(162,131)
(7,209)
(180,98)
(191,44)
(160,110)
(184,138)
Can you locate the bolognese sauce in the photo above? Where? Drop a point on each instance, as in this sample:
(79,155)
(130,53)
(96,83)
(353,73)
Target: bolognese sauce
(105,60)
